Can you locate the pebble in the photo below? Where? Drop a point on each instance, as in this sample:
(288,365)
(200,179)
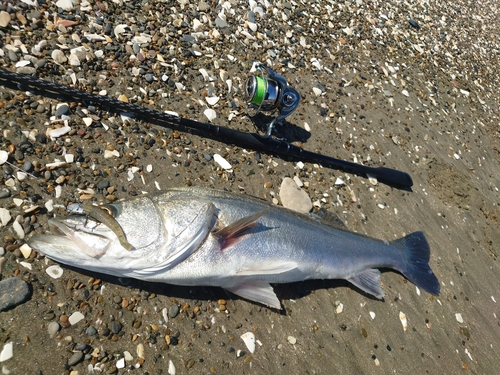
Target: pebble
(293,197)
(75,358)
(292,340)
(53,328)
(62,109)
(76,317)
(91,331)
(116,326)
(4,18)
(13,292)
(173,311)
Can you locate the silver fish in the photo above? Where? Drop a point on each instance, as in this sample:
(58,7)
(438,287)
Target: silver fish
(197,236)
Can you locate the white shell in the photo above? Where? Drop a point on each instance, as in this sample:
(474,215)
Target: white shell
(224,164)
(339,181)
(205,75)
(210,114)
(404,322)
(249,340)
(18,229)
(22,63)
(171,367)
(7,352)
(57,132)
(4,216)
(4,156)
(212,100)
(119,29)
(54,271)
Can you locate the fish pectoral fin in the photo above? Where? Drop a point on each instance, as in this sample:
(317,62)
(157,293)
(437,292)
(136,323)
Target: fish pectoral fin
(257,291)
(229,234)
(269,268)
(368,281)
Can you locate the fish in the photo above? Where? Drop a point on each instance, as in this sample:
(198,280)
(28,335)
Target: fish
(203,237)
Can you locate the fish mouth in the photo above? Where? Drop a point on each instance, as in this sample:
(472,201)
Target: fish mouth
(73,236)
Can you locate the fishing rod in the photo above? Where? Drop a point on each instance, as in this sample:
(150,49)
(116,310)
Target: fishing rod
(266,92)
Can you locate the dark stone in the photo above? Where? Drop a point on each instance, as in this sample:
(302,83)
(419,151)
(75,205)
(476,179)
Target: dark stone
(414,24)
(13,292)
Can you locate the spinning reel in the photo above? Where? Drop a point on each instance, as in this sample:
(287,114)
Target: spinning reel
(269,92)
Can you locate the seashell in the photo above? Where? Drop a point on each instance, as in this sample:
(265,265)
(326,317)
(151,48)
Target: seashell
(74,60)
(404,322)
(22,63)
(197,25)
(4,216)
(54,271)
(249,340)
(57,132)
(66,4)
(119,29)
(210,114)
(212,100)
(171,368)
(180,86)
(229,84)
(205,75)
(223,163)
(4,156)
(94,37)
(58,56)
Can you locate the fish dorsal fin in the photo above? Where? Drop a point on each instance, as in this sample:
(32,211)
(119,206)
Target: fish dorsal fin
(368,281)
(229,234)
(258,291)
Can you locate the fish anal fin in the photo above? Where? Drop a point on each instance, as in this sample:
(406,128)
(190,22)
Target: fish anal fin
(229,235)
(257,291)
(368,281)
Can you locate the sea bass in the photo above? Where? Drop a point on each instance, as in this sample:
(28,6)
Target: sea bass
(198,236)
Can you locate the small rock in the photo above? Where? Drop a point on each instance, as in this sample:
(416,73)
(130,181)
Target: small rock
(53,328)
(91,331)
(13,292)
(293,197)
(62,109)
(116,327)
(58,56)
(4,18)
(75,358)
(220,23)
(414,24)
(173,311)
(76,317)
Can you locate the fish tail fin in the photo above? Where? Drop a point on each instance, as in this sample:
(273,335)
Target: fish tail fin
(416,253)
